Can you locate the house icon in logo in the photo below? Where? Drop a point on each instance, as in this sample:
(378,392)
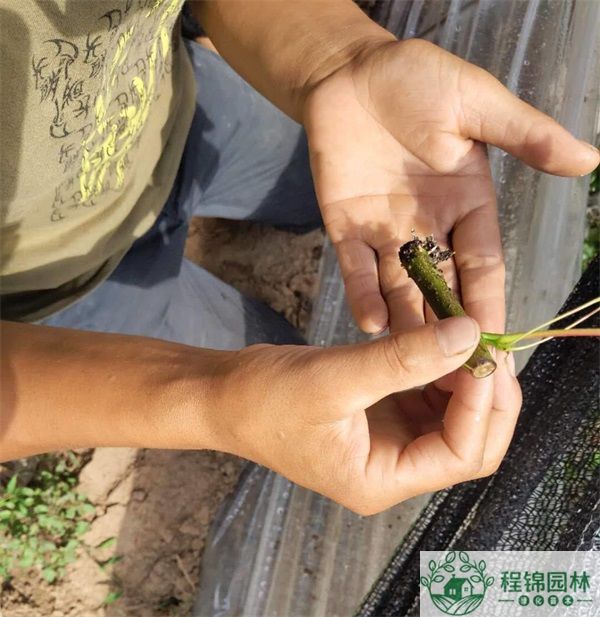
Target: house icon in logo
(458,588)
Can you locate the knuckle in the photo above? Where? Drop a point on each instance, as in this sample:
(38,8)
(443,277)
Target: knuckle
(361,501)
(490,265)
(469,467)
(398,357)
(418,47)
(362,507)
(361,280)
(489,468)
(473,467)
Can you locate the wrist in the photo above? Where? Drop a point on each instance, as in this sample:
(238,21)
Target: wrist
(284,49)
(349,48)
(184,399)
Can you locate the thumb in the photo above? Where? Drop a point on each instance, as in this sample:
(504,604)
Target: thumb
(370,371)
(492,114)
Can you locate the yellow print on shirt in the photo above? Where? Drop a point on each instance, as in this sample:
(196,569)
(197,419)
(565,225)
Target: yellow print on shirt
(117,132)
(101,92)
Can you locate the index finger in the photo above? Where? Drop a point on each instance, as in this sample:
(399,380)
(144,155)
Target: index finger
(480,265)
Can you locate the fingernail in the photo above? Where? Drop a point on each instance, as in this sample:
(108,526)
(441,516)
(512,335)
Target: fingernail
(456,335)
(510,365)
(591,147)
(381,330)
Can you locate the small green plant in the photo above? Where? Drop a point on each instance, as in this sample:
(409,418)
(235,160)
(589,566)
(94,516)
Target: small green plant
(41,524)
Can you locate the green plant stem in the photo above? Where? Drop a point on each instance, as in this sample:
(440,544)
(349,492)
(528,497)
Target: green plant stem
(508,341)
(423,271)
(546,333)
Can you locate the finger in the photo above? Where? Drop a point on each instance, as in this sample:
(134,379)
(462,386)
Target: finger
(456,453)
(358,265)
(504,415)
(421,408)
(448,269)
(480,265)
(494,115)
(446,383)
(368,372)
(402,296)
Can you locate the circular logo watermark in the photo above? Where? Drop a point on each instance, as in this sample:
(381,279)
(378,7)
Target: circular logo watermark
(457,585)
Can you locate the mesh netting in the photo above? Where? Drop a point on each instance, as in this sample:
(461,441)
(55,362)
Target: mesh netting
(546,494)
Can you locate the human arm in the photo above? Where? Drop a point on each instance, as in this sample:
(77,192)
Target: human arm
(395,132)
(345,421)
(64,388)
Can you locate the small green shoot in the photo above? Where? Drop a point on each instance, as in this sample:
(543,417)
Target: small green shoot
(112,596)
(41,524)
(509,341)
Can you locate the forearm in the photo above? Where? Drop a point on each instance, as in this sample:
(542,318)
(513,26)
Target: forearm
(285,47)
(66,388)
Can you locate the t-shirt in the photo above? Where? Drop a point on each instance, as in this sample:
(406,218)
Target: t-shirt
(96,100)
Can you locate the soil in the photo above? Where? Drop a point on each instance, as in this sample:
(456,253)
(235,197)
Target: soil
(157,504)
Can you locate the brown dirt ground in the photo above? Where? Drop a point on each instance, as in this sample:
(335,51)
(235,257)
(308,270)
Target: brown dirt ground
(159,504)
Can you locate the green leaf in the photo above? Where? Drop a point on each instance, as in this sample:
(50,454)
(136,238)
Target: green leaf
(463,557)
(46,546)
(49,574)
(450,557)
(425,582)
(12,484)
(111,597)
(111,561)
(69,556)
(432,565)
(107,543)
(88,508)
(81,527)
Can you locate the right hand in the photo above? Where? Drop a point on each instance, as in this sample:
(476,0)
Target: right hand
(348,422)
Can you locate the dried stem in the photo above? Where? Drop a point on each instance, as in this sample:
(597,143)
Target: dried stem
(419,258)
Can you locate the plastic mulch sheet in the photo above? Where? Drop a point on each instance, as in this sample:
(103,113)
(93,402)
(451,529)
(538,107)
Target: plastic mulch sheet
(278,549)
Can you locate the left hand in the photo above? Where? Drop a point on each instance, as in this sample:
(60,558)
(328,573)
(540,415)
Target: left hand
(396,144)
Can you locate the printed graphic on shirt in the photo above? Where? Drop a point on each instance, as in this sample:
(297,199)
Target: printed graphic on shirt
(98,93)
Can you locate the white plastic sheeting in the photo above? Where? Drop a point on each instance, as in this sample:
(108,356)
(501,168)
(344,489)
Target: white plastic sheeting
(278,549)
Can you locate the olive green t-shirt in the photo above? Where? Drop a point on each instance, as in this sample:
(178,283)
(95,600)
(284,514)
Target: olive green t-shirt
(97,97)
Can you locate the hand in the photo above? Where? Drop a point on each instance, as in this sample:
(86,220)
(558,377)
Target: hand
(396,144)
(346,421)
